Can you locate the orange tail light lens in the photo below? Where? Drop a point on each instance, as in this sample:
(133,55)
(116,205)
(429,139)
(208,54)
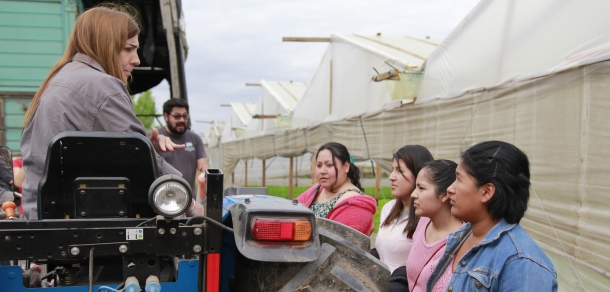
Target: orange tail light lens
(281,229)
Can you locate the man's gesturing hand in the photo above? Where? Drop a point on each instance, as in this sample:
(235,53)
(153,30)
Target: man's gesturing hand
(163,143)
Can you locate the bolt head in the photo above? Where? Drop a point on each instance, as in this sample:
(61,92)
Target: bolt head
(74,251)
(82,214)
(172,230)
(161,231)
(197,231)
(197,248)
(123,248)
(7,238)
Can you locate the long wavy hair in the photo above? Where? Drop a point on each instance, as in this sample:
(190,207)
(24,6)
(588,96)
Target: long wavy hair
(100,33)
(414,157)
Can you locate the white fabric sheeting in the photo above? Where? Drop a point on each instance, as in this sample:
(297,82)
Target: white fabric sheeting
(277,98)
(314,105)
(501,41)
(235,125)
(560,121)
(353,58)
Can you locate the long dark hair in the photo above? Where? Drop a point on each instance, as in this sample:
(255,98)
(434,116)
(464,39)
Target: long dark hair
(441,173)
(414,157)
(507,168)
(340,152)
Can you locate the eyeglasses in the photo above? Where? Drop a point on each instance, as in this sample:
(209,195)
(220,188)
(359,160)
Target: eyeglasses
(178,116)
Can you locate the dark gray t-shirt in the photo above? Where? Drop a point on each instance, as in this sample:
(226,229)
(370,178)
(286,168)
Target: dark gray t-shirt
(185,160)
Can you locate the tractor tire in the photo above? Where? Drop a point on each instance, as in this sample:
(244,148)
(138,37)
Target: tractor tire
(344,265)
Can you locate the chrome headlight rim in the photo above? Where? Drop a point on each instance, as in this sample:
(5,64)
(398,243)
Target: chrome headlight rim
(161,182)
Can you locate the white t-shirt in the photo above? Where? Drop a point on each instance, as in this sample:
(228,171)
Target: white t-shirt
(392,244)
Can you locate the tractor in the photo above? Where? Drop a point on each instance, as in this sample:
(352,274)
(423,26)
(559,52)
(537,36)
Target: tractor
(110,222)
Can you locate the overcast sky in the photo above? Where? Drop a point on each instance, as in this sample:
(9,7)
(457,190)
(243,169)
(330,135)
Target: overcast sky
(234,42)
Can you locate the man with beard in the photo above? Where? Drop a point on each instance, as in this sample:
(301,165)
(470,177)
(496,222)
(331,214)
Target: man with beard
(192,157)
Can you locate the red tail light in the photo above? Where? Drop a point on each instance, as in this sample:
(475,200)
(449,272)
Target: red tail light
(281,229)
(212,273)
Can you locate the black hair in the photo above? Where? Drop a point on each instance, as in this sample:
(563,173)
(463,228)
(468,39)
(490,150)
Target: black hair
(507,168)
(414,157)
(441,173)
(340,152)
(170,104)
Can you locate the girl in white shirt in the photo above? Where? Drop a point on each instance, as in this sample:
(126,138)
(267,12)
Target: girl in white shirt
(398,220)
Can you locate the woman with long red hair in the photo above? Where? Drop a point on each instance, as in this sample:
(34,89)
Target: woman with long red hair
(86,91)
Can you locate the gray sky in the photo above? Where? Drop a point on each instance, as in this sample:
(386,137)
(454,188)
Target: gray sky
(234,42)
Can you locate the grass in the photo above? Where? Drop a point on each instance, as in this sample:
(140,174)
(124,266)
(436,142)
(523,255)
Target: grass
(385,196)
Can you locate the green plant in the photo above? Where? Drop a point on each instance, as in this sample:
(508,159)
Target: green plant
(144,104)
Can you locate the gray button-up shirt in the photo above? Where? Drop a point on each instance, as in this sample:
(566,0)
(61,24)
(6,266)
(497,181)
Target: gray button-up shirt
(81,97)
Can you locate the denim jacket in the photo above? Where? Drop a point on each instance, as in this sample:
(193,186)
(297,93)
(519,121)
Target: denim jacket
(507,259)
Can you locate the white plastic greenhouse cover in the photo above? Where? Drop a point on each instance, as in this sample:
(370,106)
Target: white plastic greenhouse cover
(560,121)
(342,85)
(500,41)
(212,137)
(212,142)
(550,97)
(277,98)
(235,125)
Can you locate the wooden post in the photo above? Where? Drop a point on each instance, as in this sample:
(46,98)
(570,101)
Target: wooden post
(290,178)
(330,107)
(264,166)
(246,173)
(306,39)
(167,18)
(377,180)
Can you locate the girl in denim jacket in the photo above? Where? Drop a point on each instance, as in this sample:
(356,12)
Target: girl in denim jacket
(492,252)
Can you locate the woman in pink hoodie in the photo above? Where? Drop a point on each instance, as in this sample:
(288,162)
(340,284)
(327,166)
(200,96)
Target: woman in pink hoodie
(339,195)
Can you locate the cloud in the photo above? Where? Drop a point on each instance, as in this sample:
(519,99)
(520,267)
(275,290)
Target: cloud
(234,42)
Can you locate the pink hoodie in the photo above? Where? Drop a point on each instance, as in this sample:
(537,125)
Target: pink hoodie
(356,211)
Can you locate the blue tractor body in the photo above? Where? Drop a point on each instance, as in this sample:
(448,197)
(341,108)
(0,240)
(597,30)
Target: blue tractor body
(188,270)
(98,230)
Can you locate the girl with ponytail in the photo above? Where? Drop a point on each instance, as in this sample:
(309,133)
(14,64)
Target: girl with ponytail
(431,204)
(493,251)
(338,196)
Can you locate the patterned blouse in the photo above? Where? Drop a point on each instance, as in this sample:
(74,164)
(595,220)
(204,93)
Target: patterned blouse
(322,210)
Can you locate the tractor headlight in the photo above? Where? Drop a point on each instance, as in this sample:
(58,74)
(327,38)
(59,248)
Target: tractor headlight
(170,196)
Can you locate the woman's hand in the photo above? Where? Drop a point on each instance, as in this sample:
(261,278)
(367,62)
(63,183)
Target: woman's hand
(201,180)
(163,143)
